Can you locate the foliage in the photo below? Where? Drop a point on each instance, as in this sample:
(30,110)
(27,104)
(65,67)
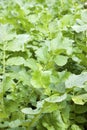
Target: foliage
(43,65)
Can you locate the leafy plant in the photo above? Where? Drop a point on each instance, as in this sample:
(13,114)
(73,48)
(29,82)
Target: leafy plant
(43,66)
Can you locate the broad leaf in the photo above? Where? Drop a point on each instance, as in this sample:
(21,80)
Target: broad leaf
(15,61)
(76,80)
(80,99)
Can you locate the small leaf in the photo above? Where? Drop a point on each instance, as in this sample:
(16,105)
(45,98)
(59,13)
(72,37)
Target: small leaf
(84,15)
(6,33)
(75,127)
(31,63)
(79,28)
(80,119)
(41,79)
(56,98)
(30,111)
(80,99)
(80,109)
(42,54)
(61,60)
(15,123)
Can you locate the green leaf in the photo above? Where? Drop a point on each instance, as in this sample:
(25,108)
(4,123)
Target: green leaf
(79,28)
(4,125)
(31,63)
(42,107)
(56,98)
(30,111)
(18,43)
(6,33)
(8,84)
(80,109)
(76,80)
(80,99)
(75,127)
(15,61)
(84,16)
(61,42)
(45,106)
(42,54)
(15,123)
(61,60)
(41,79)
(80,119)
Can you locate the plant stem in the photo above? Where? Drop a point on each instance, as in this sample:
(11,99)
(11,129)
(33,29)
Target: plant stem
(4,55)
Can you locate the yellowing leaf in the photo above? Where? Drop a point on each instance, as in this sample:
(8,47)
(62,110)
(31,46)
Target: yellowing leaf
(80,99)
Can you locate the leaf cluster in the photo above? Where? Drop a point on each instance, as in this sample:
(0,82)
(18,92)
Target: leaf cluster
(43,65)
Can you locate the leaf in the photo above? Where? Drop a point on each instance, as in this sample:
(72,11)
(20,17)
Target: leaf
(31,63)
(61,60)
(8,84)
(55,98)
(15,123)
(4,125)
(67,20)
(80,109)
(75,127)
(41,79)
(15,61)
(45,106)
(84,16)
(3,114)
(42,54)
(42,107)
(6,33)
(80,119)
(33,18)
(30,111)
(76,80)
(18,43)
(48,127)
(80,99)
(61,42)
(79,28)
